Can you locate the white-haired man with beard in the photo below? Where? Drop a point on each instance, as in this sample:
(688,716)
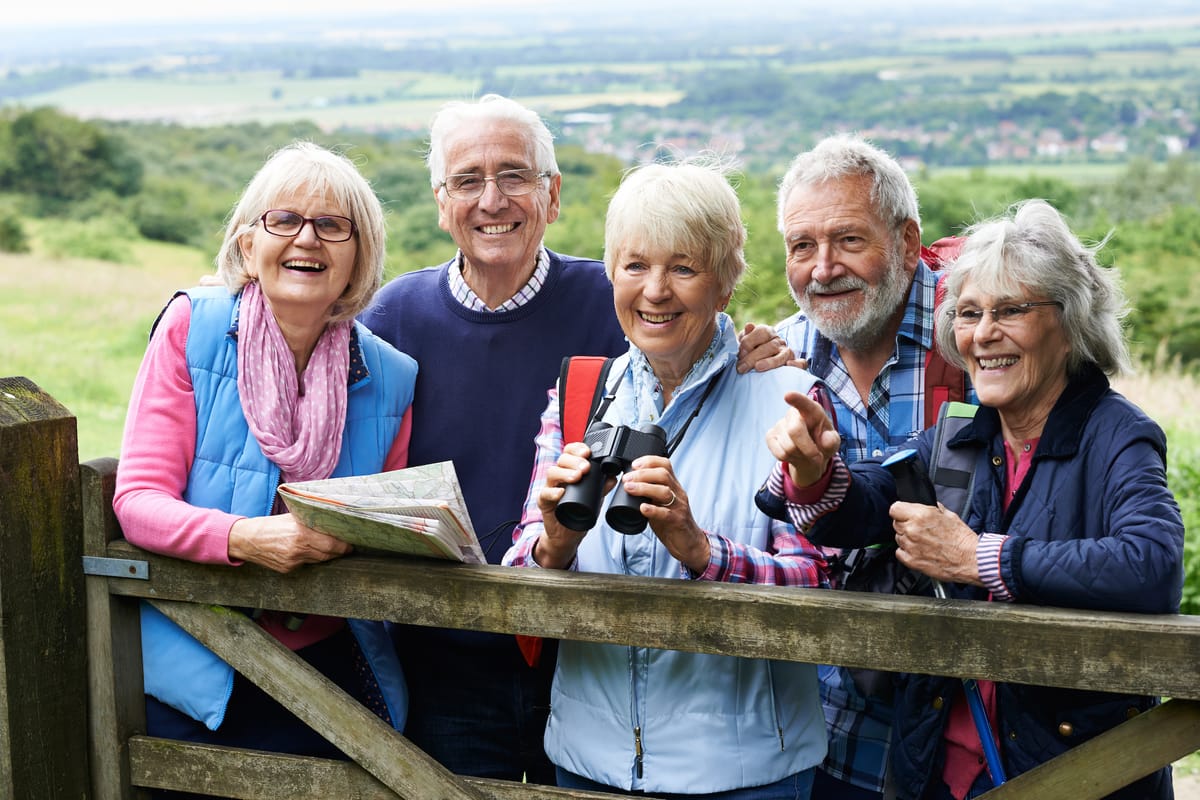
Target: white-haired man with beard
(852,234)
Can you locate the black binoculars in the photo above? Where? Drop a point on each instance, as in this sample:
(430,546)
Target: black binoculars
(613,450)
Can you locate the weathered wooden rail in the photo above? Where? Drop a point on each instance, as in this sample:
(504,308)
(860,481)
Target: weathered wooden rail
(53,513)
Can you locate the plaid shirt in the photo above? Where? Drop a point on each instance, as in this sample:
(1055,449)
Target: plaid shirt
(895,413)
(859,726)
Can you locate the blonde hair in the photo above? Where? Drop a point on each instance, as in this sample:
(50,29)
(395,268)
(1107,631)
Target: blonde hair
(305,168)
(687,206)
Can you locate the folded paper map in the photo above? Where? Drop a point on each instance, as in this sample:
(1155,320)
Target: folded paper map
(417,511)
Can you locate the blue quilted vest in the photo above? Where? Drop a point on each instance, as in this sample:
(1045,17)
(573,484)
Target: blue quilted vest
(230,472)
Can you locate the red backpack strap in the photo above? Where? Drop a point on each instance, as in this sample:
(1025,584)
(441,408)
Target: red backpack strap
(944,382)
(942,252)
(580,387)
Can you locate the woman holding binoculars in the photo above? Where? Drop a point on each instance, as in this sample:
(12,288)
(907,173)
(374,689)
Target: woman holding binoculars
(683,432)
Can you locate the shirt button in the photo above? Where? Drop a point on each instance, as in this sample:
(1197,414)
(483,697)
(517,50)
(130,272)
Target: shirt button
(938,703)
(997,461)
(876,453)
(1065,729)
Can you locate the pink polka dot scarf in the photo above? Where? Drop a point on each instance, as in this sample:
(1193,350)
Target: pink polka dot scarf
(300,432)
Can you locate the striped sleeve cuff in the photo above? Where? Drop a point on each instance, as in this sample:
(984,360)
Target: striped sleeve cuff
(804,514)
(987,560)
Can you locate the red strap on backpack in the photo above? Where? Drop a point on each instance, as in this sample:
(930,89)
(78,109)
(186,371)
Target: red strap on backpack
(580,387)
(943,381)
(942,252)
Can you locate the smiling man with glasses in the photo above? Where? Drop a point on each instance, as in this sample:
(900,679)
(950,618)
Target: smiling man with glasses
(489,329)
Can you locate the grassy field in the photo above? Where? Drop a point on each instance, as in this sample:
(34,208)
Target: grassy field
(1156,56)
(373,100)
(77,328)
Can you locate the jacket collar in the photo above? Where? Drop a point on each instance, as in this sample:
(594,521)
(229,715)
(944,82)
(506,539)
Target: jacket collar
(1064,427)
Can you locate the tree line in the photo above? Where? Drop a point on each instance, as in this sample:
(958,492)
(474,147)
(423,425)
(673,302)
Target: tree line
(105,184)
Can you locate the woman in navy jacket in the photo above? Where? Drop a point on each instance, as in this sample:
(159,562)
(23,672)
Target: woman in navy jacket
(1070,505)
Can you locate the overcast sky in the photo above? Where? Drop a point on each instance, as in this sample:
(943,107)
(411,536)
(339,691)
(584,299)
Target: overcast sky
(27,12)
(66,12)
(22,14)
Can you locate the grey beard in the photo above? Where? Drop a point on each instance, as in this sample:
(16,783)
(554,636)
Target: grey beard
(880,304)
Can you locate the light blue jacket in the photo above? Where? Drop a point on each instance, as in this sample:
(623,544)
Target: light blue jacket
(230,472)
(707,723)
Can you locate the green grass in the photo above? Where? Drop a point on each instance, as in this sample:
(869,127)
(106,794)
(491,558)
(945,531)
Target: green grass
(78,329)
(1084,174)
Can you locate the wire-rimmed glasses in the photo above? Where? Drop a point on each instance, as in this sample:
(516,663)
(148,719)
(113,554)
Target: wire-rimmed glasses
(1005,315)
(510,182)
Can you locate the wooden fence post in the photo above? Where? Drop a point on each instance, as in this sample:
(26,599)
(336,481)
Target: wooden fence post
(43,675)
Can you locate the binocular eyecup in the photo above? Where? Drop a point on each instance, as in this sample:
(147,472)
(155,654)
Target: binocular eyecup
(613,451)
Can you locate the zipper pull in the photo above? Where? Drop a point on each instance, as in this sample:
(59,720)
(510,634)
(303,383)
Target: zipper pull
(637,748)
(780,729)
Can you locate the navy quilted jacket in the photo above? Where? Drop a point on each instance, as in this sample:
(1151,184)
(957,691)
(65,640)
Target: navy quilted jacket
(1093,526)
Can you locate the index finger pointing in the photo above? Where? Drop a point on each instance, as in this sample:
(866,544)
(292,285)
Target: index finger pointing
(809,409)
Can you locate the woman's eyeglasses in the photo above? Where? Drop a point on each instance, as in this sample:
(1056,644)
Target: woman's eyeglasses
(329,228)
(1005,315)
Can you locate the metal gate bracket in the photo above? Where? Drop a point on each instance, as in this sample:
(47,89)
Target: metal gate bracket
(116,567)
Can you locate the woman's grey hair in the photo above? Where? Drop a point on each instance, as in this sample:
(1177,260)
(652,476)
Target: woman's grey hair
(307,169)
(849,156)
(1031,252)
(494,109)
(687,207)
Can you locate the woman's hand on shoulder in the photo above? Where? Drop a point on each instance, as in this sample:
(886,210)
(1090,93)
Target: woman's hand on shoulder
(281,543)
(665,506)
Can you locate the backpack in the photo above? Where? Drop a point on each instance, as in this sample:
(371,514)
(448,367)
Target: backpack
(876,569)
(581,382)
(944,382)
(952,473)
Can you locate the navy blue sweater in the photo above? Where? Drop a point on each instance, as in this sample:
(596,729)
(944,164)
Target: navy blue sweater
(483,376)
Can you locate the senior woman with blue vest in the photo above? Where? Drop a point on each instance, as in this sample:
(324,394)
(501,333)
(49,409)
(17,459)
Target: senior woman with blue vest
(263,380)
(1069,506)
(643,720)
